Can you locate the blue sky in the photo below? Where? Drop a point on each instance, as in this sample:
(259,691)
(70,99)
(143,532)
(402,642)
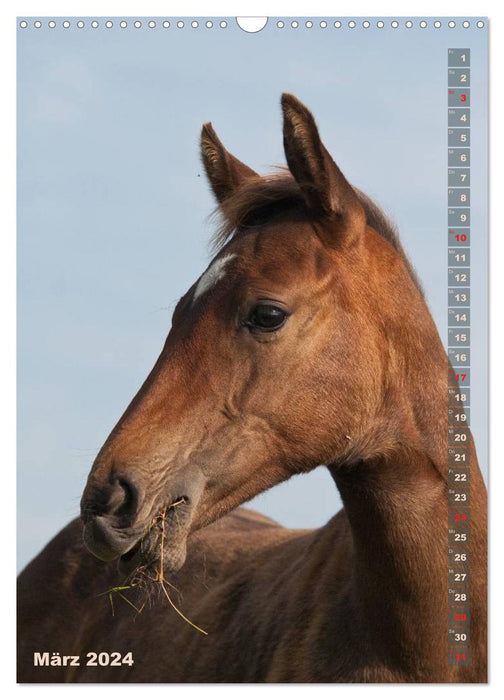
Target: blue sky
(113,207)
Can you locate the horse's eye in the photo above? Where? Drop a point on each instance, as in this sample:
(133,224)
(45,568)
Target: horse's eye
(266,317)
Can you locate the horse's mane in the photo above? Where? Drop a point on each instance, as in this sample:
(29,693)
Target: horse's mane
(262,199)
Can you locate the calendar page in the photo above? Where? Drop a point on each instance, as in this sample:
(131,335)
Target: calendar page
(252,349)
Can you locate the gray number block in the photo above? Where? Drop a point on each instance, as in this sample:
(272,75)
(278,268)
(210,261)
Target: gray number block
(459,57)
(459,517)
(459,577)
(459,656)
(459,618)
(459,276)
(458,477)
(459,357)
(459,538)
(459,297)
(459,217)
(459,116)
(459,97)
(459,137)
(458,497)
(459,378)
(459,77)
(459,396)
(458,596)
(458,437)
(459,457)
(459,337)
(459,417)
(459,317)
(459,197)
(459,638)
(459,257)
(459,236)
(458,555)
(459,177)
(459,157)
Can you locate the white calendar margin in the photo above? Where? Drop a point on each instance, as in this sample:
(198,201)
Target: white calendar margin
(293,8)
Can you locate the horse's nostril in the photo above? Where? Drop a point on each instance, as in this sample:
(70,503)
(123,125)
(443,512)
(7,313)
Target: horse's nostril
(124,498)
(117,499)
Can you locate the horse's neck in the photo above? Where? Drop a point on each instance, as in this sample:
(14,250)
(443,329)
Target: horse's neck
(397,507)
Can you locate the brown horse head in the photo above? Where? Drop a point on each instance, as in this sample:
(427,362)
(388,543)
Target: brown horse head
(290,351)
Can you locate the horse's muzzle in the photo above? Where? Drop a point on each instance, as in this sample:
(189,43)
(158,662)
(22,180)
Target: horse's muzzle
(109,512)
(106,541)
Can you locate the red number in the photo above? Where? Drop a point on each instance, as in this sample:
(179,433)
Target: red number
(460,617)
(460,516)
(463,98)
(461,237)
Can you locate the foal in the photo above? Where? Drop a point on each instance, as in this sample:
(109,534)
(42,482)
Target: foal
(307,341)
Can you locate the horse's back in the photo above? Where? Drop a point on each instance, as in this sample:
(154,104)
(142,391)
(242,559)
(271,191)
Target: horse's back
(237,573)
(64,608)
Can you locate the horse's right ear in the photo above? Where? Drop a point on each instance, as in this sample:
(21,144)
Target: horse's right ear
(225,172)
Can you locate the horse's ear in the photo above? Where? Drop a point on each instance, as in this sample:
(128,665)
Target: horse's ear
(225,172)
(324,187)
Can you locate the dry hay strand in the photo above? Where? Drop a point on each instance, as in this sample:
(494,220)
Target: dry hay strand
(159,521)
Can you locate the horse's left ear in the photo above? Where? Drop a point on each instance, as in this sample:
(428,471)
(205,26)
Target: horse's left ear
(225,172)
(324,187)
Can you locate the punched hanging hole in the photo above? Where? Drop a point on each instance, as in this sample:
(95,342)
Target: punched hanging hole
(251,24)
(23,24)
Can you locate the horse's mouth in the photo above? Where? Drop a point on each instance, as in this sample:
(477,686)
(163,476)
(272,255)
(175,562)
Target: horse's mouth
(163,546)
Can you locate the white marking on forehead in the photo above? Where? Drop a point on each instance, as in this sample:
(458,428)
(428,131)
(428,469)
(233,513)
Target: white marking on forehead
(214,273)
